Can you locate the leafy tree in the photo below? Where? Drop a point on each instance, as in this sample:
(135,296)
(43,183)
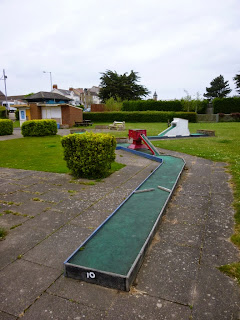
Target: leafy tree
(186,101)
(192,105)
(219,88)
(113,105)
(121,86)
(237,82)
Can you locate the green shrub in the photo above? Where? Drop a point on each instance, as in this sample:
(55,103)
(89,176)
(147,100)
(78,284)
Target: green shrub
(6,127)
(141,116)
(89,155)
(113,105)
(2,112)
(39,128)
(152,105)
(226,105)
(17,114)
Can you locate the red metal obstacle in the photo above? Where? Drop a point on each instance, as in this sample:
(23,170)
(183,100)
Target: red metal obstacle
(139,136)
(137,140)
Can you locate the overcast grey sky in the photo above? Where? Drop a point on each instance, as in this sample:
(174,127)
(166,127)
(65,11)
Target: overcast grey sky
(174,45)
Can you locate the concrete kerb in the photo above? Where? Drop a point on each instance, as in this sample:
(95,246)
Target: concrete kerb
(181,289)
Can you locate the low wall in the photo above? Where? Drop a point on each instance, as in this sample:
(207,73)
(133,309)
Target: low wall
(229,117)
(207,117)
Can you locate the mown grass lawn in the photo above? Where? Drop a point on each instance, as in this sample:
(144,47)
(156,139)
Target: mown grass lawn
(37,153)
(33,153)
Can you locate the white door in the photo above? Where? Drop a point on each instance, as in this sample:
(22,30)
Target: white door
(52,113)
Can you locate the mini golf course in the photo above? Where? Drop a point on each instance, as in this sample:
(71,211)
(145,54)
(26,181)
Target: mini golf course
(114,252)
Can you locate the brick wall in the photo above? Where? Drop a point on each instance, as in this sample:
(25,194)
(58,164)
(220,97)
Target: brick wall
(98,107)
(71,114)
(35,111)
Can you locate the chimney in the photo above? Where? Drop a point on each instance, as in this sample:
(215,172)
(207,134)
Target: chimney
(55,86)
(70,89)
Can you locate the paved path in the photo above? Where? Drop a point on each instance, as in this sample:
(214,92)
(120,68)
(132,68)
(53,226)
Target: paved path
(17,134)
(48,216)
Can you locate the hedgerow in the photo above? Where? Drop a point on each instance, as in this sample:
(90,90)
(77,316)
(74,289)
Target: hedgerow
(141,116)
(152,105)
(89,155)
(226,105)
(183,105)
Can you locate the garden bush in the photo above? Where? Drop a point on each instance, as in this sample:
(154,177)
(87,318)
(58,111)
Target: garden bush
(2,112)
(17,114)
(89,155)
(113,105)
(140,116)
(226,105)
(6,127)
(35,128)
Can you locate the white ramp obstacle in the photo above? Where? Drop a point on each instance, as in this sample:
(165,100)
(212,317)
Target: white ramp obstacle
(179,127)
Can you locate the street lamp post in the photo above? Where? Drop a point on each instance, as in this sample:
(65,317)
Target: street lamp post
(4,77)
(50,77)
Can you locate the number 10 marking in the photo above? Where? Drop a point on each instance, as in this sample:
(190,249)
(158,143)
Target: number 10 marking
(91,275)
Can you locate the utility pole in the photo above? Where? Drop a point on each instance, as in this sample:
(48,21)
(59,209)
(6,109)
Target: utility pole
(50,78)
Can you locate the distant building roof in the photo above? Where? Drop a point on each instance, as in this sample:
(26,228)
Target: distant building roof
(43,96)
(78,91)
(2,96)
(64,92)
(94,89)
(19,97)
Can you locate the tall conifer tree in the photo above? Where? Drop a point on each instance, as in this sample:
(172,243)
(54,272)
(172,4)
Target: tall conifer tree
(237,82)
(219,88)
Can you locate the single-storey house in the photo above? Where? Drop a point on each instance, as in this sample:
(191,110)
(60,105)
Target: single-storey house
(50,105)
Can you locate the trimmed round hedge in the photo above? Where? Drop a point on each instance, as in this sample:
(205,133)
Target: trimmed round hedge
(39,128)
(89,155)
(6,127)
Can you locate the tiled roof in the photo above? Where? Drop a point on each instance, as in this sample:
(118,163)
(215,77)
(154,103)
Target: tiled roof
(42,96)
